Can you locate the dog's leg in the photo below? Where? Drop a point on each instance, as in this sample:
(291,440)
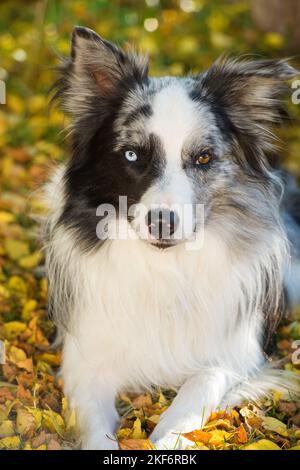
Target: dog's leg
(190,409)
(91,390)
(97,418)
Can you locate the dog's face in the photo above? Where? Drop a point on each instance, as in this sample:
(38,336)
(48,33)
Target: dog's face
(168,144)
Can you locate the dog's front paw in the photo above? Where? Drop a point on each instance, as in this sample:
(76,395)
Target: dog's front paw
(97,442)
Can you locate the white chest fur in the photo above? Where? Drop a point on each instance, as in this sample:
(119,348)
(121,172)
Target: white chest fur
(158,316)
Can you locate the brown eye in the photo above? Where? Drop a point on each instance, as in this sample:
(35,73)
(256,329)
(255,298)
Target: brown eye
(204,158)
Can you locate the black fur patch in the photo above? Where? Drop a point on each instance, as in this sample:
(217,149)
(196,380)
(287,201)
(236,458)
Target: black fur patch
(93,86)
(102,174)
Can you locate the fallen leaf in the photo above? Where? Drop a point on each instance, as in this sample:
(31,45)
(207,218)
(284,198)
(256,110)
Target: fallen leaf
(24,394)
(71,422)
(17,285)
(5,394)
(242,436)
(53,422)
(15,249)
(13,329)
(274,425)
(7,428)
(198,436)
(6,217)
(218,423)
(288,408)
(218,437)
(123,433)
(10,442)
(42,447)
(136,444)
(39,439)
(31,261)
(137,432)
(53,445)
(29,307)
(52,359)
(142,401)
(27,364)
(262,444)
(25,422)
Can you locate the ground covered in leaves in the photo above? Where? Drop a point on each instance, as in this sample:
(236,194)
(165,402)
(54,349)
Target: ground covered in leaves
(34,413)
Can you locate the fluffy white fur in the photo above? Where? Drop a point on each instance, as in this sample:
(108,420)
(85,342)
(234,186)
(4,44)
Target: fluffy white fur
(137,315)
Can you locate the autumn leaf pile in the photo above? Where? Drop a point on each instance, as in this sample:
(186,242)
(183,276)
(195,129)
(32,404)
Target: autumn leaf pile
(34,414)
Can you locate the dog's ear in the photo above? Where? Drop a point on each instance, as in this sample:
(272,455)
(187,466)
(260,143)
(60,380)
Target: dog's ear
(97,69)
(250,94)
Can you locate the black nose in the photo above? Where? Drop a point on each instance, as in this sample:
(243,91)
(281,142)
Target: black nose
(162,223)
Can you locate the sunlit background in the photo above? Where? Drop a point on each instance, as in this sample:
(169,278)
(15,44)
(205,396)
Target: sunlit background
(181,36)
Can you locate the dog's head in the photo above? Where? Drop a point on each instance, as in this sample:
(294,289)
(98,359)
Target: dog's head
(169,143)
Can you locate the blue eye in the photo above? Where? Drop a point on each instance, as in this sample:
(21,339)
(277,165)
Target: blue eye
(130,155)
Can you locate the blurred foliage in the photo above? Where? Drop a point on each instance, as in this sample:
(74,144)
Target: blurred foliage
(180,36)
(184,36)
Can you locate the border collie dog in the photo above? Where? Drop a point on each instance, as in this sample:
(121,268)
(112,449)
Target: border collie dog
(190,313)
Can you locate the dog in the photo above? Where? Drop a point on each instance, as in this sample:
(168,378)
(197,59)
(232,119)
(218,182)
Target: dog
(190,312)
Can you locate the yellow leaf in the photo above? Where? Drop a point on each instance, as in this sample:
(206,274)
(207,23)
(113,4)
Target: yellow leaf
(154,418)
(52,359)
(277,395)
(29,307)
(274,425)
(44,288)
(10,442)
(4,413)
(17,286)
(197,446)
(7,428)
(27,446)
(53,422)
(136,444)
(16,104)
(221,423)
(123,433)
(137,432)
(4,293)
(162,400)
(36,103)
(294,448)
(275,40)
(42,447)
(219,437)
(13,329)
(6,217)
(31,261)
(15,249)
(37,414)
(71,422)
(16,355)
(25,421)
(65,406)
(262,444)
